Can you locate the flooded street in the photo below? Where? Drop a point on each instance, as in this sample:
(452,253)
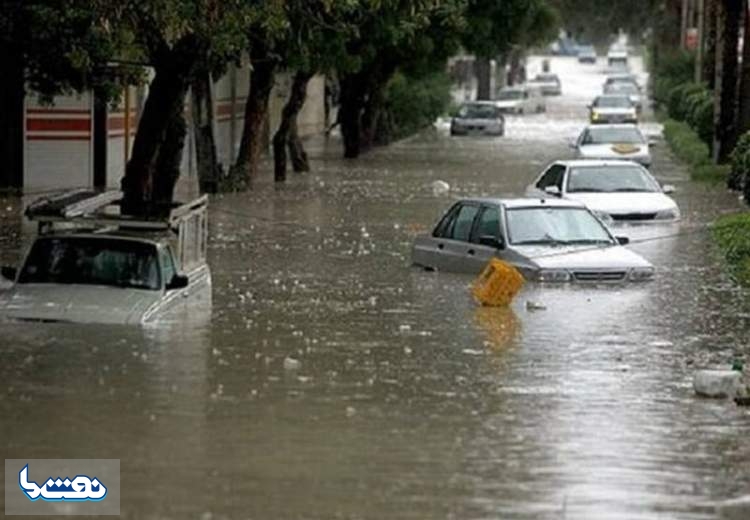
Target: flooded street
(331,380)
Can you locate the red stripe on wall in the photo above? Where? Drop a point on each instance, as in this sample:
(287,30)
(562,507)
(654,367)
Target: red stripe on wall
(58,125)
(58,137)
(69,111)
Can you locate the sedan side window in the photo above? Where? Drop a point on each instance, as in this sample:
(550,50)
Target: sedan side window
(464,222)
(167,264)
(488,225)
(552,177)
(442,230)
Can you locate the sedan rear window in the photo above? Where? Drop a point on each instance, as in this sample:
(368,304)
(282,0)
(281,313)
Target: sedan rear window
(608,179)
(479,112)
(92,261)
(613,135)
(555,226)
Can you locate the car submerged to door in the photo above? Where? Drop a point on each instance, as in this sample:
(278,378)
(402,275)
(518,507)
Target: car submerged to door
(622,191)
(478,118)
(547,240)
(103,268)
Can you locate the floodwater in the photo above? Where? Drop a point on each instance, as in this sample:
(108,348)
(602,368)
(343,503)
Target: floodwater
(409,400)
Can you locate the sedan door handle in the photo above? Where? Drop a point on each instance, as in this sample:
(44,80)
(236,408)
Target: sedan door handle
(471,252)
(440,246)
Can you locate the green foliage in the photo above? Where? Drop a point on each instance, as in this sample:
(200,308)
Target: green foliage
(415,103)
(732,235)
(678,106)
(596,21)
(700,114)
(494,27)
(710,173)
(740,165)
(686,144)
(673,69)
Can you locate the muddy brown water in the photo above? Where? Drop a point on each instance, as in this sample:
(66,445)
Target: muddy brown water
(409,400)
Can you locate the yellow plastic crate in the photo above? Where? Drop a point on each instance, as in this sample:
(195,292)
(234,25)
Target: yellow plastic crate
(498,284)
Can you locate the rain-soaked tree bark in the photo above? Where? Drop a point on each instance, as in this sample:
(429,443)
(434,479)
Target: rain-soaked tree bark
(153,169)
(725,110)
(256,113)
(297,152)
(353,93)
(202,111)
(483,70)
(743,120)
(285,137)
(708,74)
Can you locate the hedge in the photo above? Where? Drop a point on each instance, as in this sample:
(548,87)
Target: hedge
(732,235)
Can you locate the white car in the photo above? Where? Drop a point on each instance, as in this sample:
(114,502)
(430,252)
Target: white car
(624,88)
(613,142)
(548,83)
(478,117)
(612,109)
(617,58)
(522,99)
(104,268)
(547,240)
(622,191)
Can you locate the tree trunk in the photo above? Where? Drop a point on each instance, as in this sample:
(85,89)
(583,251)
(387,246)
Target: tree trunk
(282,138)
(373,113)
(297,152)
(202,110)
(482,70)
(725,118)
(709,43)
(161,131)
(743,122)
(256,114)
(12,94)
(353,91)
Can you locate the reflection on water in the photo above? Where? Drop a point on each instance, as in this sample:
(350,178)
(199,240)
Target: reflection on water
(409,401)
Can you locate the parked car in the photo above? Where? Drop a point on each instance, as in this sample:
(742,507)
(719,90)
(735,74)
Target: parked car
(549,84)
(611,109)
(482,117)
(608,142)
(617,190)
(617,58)
(621,78)
(522,99)
(548,240)
(624,88)
(587,54)
(90,265)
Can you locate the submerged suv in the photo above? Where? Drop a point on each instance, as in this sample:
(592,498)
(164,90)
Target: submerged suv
(91,265)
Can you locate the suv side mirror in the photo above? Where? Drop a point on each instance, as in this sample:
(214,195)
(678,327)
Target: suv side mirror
(492,241)
(553,190)
(178,281)
(623,241)
(9,273)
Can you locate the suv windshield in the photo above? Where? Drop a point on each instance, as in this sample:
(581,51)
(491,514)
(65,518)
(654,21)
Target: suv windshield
(613,102)
(510,94)
(612,135)
(479,112)
(555,226)
(92,261)
(609,179)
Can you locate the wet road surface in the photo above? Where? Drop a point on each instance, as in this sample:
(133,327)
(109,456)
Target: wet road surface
(409,401)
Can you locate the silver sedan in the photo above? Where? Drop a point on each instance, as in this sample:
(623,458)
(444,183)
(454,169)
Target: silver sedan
(547,240)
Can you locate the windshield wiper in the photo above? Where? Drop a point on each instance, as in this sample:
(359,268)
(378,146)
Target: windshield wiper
(589,241)
(631,190)
(547,239)
(585,190)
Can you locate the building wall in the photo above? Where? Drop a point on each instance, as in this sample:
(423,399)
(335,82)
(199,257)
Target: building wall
(59,138)
(58,143)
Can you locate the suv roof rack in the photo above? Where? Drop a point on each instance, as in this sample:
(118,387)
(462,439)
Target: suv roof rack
(92,209)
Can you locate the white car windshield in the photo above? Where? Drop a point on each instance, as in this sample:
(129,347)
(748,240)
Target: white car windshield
(612,135)
(622,87)
(510,95)
(547,78)
(92,261)
(613,102)
(609,179)
(555,226)
(479,112)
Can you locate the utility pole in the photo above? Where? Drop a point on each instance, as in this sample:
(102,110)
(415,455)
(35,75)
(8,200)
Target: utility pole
(684,23)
